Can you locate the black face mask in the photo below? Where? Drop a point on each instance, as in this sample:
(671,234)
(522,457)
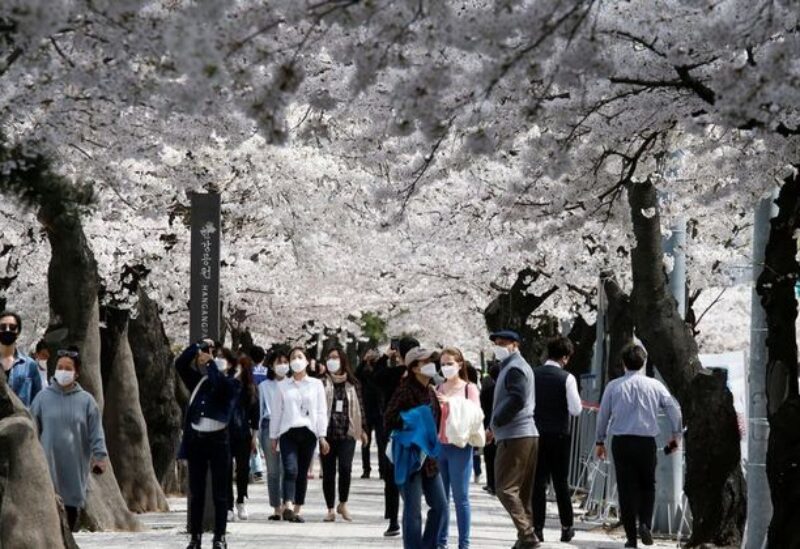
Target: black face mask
(8,338)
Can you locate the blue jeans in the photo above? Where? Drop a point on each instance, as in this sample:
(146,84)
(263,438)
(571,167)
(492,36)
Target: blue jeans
(274,466)
(297,451)
(412,491)
(456,466)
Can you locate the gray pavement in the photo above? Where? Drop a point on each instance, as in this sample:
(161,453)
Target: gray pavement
(491,527)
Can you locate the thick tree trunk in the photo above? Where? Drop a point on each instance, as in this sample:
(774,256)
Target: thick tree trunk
(582,336)
(29,516)
(155,372)
(74,320)
(512,309)
(776,286)
(126,432)
(619,327)
(714,480)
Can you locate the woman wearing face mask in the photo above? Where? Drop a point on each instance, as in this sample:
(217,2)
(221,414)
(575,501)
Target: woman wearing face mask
(242,428)
(299,421)
(416,390)
(267,393)
(455,461)
(71,432)
(346,424)
(205,443)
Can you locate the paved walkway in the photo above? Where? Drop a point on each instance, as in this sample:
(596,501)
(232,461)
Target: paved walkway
(491,527)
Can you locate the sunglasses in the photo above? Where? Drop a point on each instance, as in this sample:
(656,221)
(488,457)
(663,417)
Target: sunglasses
(68,354)
(8,327)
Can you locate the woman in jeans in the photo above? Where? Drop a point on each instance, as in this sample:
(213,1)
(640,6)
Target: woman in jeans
(347,423)
(415,390)
(455,463)
(299,420)
(71,432)
(267,393)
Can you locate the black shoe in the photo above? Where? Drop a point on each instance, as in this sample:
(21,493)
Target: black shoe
(645,534)
(630,544)
(392,532)
(365,474)
(220,543)
(567,534)
(539,534)
(195,542)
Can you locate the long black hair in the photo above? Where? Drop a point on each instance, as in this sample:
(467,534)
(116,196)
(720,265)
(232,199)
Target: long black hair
(346,368)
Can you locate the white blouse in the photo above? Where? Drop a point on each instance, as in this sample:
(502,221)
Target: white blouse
(299,404)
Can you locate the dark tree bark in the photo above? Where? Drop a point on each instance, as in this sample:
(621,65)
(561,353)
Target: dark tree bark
(28,503)
(583,336)
(619,327)
(126,432)
(512,309)
(155,372)
(714,480)
(776,287)
(74,320)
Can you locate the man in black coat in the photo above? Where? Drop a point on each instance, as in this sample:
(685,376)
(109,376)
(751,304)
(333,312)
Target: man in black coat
(389,370)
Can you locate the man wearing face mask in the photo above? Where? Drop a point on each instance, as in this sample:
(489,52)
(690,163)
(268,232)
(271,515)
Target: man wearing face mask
(514,430)
(21,371)
(205,443)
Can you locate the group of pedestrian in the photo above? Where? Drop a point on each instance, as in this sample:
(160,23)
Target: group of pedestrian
(424,407)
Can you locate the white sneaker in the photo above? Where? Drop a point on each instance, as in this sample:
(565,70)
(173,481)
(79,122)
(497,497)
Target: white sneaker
(242,511)
(231,516)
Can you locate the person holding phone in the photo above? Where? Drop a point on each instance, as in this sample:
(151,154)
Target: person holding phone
(629,412)
(205,443)
(71,433)
(388,372)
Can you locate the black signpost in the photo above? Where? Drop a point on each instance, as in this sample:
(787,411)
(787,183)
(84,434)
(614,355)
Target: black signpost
(204,300)
(204,297)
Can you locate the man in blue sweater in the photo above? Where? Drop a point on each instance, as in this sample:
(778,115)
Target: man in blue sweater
(517,439)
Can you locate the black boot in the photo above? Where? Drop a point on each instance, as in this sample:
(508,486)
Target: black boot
(195,541)
(220,543)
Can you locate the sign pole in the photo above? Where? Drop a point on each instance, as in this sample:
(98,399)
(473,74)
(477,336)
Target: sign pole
(204,301)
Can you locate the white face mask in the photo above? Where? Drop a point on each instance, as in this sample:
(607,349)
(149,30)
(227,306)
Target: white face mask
(282,369)
(428,369)
(221,363)
(43,365)
(449,371)
(333,365)
(64,377)
(500,353)
(298,365)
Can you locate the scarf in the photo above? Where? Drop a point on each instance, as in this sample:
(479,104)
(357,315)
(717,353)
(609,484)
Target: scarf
(338,378)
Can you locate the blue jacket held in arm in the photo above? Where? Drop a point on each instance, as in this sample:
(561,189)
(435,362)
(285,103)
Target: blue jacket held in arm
(412,444)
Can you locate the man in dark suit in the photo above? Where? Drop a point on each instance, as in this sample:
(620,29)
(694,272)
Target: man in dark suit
(557,399)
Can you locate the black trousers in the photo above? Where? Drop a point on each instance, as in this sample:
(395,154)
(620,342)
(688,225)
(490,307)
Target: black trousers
(209,450)
(341,454)
(635,465)
(489,451)
(240,453)
(372,423)
(391,495)
(297,451)
(553,465)
(73,513)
